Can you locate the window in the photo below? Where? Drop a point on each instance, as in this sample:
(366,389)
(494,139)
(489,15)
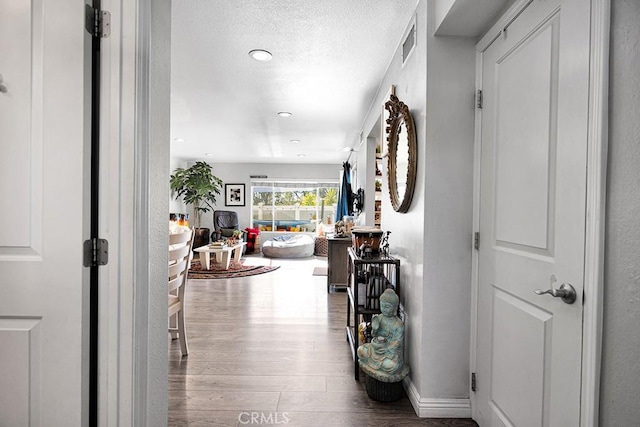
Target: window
(293,206)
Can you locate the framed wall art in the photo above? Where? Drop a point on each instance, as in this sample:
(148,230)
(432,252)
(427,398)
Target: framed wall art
(234,195)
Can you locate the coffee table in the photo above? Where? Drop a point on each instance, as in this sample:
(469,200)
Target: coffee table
(223,254)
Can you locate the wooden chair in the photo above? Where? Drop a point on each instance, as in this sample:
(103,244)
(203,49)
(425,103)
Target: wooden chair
(180,246)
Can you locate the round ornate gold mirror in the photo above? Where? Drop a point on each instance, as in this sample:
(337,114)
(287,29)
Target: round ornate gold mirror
(402,152)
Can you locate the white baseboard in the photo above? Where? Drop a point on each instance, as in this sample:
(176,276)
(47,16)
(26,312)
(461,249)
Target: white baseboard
(436,408)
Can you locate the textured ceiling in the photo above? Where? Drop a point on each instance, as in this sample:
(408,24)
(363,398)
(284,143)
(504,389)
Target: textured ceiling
(329,57)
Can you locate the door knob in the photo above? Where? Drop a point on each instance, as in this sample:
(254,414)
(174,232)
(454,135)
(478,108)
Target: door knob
(566,292)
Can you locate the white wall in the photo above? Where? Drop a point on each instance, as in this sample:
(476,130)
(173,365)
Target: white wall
(448,214)
(621,339)
(154,137)
(433,239)
(441,9)
(407,230)
(466,17)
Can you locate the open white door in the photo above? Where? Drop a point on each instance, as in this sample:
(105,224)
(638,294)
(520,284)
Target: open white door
(535,83)
(44,181)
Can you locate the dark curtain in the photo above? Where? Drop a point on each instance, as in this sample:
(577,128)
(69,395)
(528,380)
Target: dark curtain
(345,199)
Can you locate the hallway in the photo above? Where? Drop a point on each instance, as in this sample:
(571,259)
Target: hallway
(271,349)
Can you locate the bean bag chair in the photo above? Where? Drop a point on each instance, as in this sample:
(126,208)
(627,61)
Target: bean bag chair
(289,246)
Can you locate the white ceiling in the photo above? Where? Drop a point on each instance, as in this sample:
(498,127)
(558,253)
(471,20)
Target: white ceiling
(329,57)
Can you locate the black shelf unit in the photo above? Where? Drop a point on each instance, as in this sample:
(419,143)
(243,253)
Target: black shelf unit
(378,267)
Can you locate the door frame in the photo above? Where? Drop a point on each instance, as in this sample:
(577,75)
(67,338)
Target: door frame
(597,143)
(133,366)
(119,378)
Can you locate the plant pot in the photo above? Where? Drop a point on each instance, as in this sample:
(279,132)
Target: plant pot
(201,237)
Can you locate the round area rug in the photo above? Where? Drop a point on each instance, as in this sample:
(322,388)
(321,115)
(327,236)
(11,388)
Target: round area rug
(235,270)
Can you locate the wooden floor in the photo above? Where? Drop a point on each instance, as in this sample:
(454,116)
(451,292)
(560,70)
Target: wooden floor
(271,349)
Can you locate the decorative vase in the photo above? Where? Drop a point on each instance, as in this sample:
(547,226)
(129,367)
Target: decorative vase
(383,392)
(201,237)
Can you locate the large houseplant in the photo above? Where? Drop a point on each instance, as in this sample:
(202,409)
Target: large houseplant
(198,187)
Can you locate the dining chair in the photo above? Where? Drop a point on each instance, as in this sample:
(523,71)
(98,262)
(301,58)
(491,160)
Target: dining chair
(180,246)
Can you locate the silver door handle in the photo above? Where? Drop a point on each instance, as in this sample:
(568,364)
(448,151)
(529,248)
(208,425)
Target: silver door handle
(566,292)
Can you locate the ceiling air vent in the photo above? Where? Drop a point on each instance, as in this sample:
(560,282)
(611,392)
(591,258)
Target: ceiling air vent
(409,42)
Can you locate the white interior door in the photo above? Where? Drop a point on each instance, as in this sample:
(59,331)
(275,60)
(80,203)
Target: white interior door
(532,217)
(43,194)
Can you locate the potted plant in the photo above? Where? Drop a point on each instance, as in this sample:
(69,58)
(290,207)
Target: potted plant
(198,187)
(236,237)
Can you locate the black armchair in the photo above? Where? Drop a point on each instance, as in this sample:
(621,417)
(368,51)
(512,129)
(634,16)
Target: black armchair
(224,224)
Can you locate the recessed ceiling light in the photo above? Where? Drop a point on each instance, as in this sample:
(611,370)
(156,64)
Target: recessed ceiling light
(285,114)
(208,154)
(295,141)
(261,55)
(178,140)
(302,155)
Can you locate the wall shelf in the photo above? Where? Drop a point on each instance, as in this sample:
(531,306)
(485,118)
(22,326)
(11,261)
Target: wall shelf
(377,210)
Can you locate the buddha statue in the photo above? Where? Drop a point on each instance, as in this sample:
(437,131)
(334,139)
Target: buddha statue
(383,357)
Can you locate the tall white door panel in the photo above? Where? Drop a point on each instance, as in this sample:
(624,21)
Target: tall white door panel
(535,79)
(43,209)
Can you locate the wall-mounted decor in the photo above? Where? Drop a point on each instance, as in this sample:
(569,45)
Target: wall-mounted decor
(402,154)
(383,131)
(358,201)
(234,194)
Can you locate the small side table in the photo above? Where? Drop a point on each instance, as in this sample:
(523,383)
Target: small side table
(337,262)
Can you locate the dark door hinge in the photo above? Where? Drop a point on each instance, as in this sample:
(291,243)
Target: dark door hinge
(97,22)
(96,252)
(479,99)
(476,240)
(473,381)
